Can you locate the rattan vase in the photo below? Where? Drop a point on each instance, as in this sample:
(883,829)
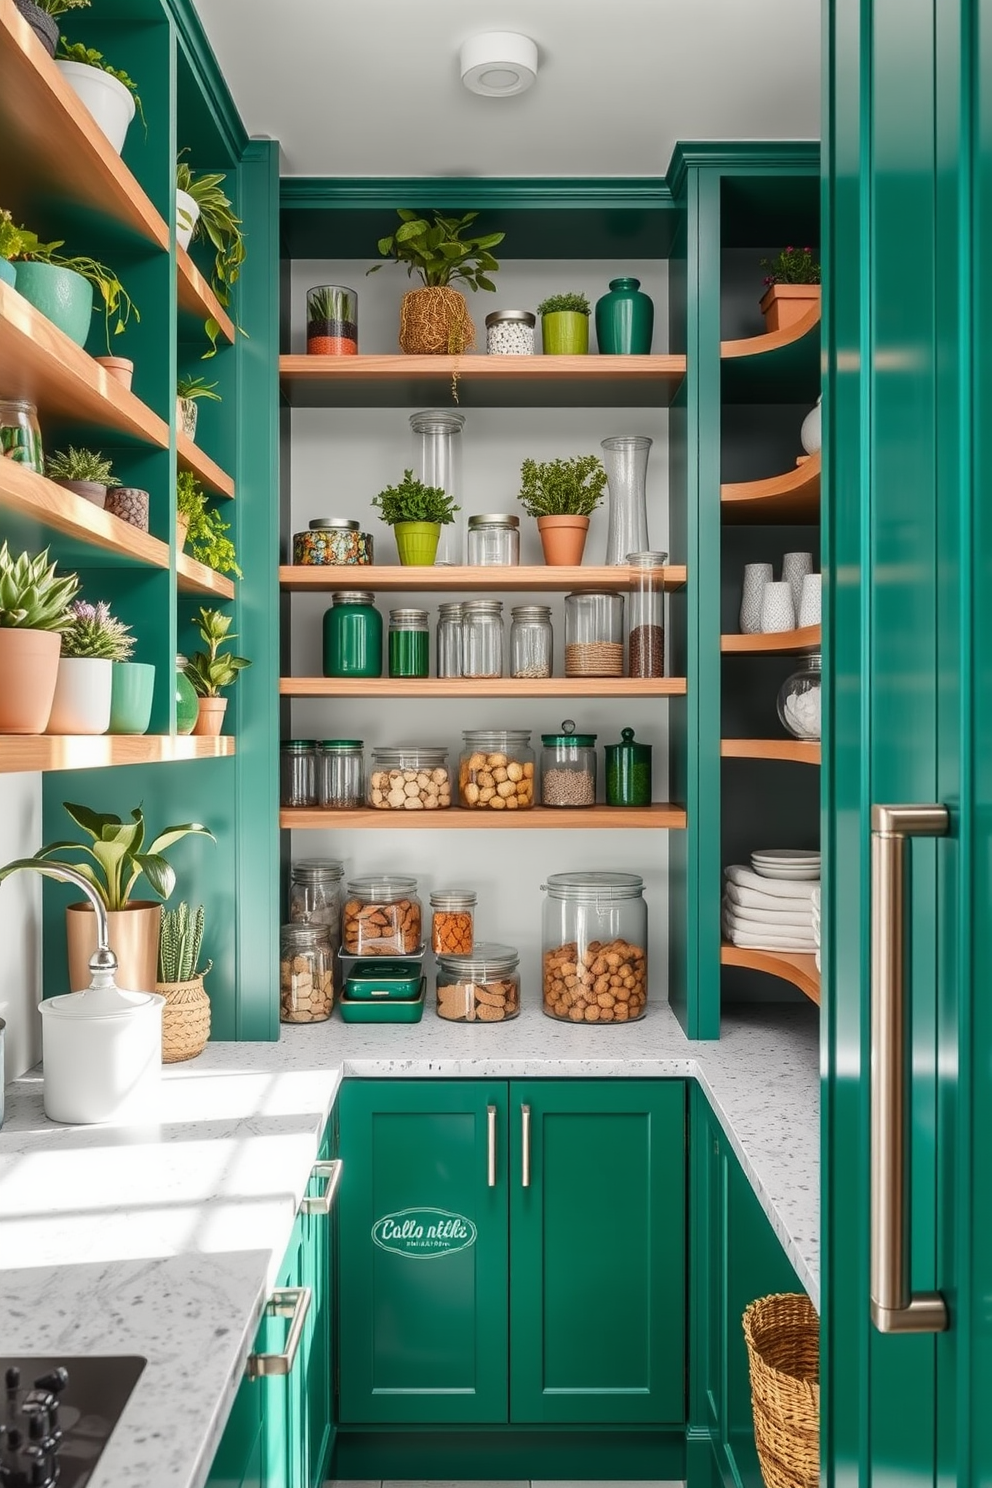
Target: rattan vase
(185,1019)
(782,1333)
(434,321)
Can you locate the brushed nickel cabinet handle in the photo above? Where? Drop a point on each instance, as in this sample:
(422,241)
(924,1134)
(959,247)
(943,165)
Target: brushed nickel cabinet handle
(525,1146)
(491,1146)
(894,1308)
(322,1203)
(288,1302)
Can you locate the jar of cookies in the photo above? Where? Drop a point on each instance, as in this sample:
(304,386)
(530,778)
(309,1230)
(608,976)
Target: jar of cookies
(382,917)
(496,770)
(452,921)
(481,988)
(306,975)
(595,947)
(411,777)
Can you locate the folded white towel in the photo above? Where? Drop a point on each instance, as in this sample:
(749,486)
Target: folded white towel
(752,899)
(767,942)
(753,930)
(816,958)
(815,897)
(797,916)
(780,888)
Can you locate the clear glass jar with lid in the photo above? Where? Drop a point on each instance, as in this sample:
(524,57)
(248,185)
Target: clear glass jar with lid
(594,633)
(494,540)
(409,643)
(20,434)
(452,921)
(481,988)
(482,638)
(352,635)
(382,916)
(449,639)
(568,767)
(306,974)
(437,462)
(531,641)
(799,699)
(297,772)
(315,895)
(496,770)
(340,774)
(595,947)
(410,777)
(510,333)
(646,615)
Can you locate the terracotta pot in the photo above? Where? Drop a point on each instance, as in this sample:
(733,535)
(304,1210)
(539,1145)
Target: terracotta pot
(133,934)
(783,304)
(29,669)
(210,716)
(434,321)
(182,527)
(563,539)
(94,491)
(120,368)
(185,1019)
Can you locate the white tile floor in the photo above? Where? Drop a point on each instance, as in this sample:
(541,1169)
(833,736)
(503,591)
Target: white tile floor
(478,1483)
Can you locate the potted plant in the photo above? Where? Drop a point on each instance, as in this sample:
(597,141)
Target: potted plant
(205,213)
(186,1015)
(121,369)
(435,319)
(213,669)
(565,324)
(202,527)
(11,241)
(42,16)
(792,287)
(91,643)
(84,471)
(115,858)
(416,514)
(107,92)
(132,694)
(562,495)
(34,611)
(61,288)
(188,390)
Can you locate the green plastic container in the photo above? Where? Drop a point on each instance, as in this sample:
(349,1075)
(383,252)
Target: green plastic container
(368,980)
(384,1010)
(416,542)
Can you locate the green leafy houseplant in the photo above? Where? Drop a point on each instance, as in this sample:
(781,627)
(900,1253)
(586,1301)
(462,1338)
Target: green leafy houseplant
(212,669)
(95,633)
(437,252)
(179,943)
(189,388)
(80,465)
(116,300)
(205,533)
(792,266)
(559,488)
(33,596)
(13,239)
(217,225)
(577,304)
(412,501)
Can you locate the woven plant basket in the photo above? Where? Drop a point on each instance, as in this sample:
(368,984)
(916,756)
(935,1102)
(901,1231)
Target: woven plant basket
(185,1019)
(782,1333)
(434,321)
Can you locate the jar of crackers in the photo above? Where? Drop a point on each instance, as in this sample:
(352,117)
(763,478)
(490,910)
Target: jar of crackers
(452,922)
(481,988)
(382,917)
(306,974)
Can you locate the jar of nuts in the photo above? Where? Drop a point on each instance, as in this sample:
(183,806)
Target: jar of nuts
(306,978)
(496,770)
(595,961)
(381,917)
(452,922)
(481,988)
(411,777)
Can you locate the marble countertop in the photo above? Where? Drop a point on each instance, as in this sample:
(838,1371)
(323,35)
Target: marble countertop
(165,1239)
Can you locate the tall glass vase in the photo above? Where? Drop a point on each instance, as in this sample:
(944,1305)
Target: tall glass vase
(437,462)
(626,462)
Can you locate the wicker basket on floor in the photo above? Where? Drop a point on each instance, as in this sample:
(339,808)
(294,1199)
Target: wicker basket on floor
(185,1019)
(782,1333)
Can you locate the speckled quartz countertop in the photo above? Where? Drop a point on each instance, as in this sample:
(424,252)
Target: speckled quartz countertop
(163,1240)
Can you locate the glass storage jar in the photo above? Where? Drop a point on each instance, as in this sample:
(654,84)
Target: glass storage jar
(352,635)
(449,639)
(482,638)
(531,641)
(452,922)
(340,774)
(496,770)
(332,320)
(297,772)
(332,541)
(481,988)
(409,643)
(306,975)
(626,460)
(510,333)
(315,895)
(799,700)
(628,771)
(594,633)
(494,540)
(646,616)
(437,461)
(568,767)
(410,777)
(20,434)
(382,917)
(595,947)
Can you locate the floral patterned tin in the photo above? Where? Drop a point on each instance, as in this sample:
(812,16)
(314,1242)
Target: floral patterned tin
(332,540)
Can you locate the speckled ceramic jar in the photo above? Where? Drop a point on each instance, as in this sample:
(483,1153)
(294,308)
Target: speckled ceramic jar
(332,540)
(130,504)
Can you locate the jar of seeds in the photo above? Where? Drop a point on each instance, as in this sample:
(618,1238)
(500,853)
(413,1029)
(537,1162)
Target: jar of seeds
(568,767)
(531,641)
(510,333)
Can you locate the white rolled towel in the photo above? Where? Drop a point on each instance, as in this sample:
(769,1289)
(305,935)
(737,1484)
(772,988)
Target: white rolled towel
(779,888)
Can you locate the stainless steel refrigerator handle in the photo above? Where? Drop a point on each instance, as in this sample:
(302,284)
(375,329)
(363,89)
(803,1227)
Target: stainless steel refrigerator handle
(491,1146)
(894,1308)
(288,1302)
(322,1203)
(525,1146)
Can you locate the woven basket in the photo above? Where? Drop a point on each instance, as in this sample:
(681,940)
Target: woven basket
(782,1333)
(185,1019)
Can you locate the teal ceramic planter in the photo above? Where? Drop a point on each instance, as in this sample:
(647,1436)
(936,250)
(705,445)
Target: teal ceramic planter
(131,697)
(7,272)
(624,320)
(61,295)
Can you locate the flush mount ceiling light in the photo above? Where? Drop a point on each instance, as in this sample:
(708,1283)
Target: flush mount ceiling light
(498,64)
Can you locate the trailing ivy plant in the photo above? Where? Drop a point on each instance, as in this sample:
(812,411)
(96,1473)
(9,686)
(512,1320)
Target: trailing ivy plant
(792,266)
(562,488)
(437,252)
(412,501)
(217,225)
(69,51)
(555,304)
(205,535)
(26,248)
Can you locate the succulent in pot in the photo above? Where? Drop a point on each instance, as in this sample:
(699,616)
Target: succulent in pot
(34,611)
(212,669)
(562,495)
(435,319)
(205,213)
(61,287)
(416,514)
(85,472)
(202,526)
(186,1015)
(792,287)
(91,643)
(188,392)
(565,324)
(42,16)
(106,91)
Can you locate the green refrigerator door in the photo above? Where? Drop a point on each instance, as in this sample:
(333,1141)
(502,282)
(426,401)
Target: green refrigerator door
(423,1252)
(597,1262)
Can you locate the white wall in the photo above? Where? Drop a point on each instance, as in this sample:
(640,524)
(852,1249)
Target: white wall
(20,923)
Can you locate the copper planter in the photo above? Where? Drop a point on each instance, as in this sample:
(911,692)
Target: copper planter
(133,936)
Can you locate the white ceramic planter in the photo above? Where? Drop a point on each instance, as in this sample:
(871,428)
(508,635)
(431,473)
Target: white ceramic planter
(187,213)
(810,433)
(82,696)
(110,103)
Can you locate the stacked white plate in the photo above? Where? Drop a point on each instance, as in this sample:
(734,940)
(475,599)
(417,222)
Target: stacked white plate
(789,863)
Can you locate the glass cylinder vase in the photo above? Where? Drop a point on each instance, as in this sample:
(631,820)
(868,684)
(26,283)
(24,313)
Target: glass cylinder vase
(626,460)
(437,462)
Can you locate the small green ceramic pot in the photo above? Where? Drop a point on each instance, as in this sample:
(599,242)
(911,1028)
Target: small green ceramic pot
(416,542)
(131,697)
(565,333)
(61,295)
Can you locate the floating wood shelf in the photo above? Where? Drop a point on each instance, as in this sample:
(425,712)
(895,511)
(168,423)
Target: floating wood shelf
(420,687)
(93,751)
(191,457)
(778,367)
(796,967)
(779,643)
(197,578)
(455,818)
(790,498)
(42,364)
(796,750)
(442,580)
(197,299)
(54,509)
(52,144)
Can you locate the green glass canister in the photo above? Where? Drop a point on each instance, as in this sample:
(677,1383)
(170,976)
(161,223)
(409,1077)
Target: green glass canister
(352,635)
(624,319)
(187,707)
(409,643)
(628,772)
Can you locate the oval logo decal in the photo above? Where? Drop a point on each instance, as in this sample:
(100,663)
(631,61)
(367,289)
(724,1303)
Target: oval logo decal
(423,1234)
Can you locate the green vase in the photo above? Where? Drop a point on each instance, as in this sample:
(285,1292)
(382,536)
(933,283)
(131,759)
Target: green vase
(131,697)
(416,542)
(565,333)
(187,705)
(624,320)
(61,295)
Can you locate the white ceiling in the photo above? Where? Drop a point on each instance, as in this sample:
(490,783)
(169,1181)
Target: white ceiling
(371,87)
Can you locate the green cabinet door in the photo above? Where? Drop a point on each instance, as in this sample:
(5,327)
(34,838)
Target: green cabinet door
(423,1252)
(316,1361)
(284,1437)
(597,1246)
(238,1460)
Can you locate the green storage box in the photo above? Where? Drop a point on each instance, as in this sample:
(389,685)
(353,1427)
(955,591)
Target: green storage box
(384,1009)
(374,979)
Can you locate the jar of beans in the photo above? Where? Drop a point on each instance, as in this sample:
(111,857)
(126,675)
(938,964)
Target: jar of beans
(594,634)
(452,922)
(306,985)
(496,770)
(646,615)
(411,777)
(568,768)
(382,917)
(595,938)
(510,333)
(481,988)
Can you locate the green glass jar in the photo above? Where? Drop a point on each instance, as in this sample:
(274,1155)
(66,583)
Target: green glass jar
(628,772)
(352,635)
(187,707)
(409,643)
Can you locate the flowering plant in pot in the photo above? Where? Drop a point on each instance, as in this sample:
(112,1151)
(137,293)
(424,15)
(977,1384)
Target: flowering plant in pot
(213,669)
(205,213)
(186,1015)
(34,611)
(61,287)
(188,391)
(562,495)
(42,16)
(435,319)
(203,527)
(565,324)
(106,91)
(416,514)
(91,643)
(792,287)
(85,472)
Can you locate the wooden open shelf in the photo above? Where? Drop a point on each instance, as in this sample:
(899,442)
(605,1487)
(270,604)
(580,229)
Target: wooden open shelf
(93,751)
(455,818)
(197,299)
(42,364)
(512,579)
(197,578)
(790,498)
(51,142)
(779,367)
(796,967)
(36,499)
(796,750)
(191,457)
(778,643)
(420,687)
